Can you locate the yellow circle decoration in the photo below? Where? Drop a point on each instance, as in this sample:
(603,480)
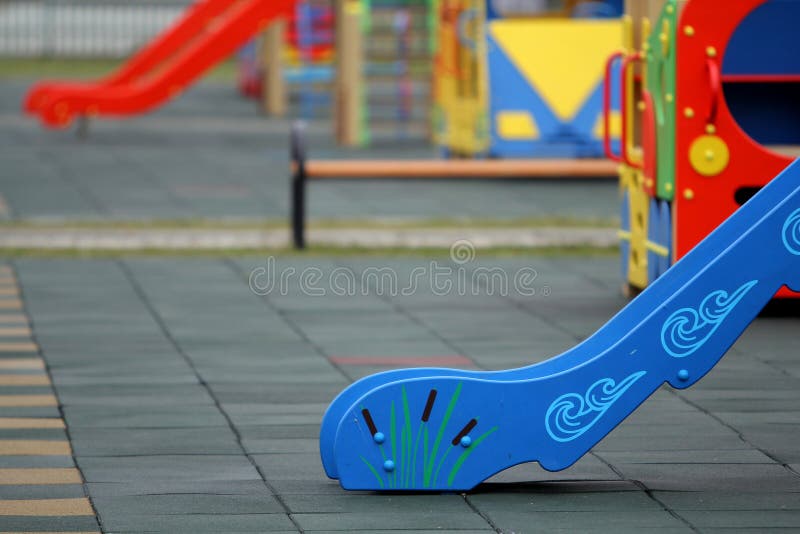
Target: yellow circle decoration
(709,155)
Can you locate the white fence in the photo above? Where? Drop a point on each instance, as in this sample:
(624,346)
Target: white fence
(82,28)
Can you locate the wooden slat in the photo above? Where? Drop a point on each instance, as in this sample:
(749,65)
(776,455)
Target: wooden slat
(481,169)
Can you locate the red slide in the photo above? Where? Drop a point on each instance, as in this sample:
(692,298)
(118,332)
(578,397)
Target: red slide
(209,32)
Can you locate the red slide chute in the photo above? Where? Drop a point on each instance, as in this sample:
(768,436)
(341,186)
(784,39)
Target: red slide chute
(209,32)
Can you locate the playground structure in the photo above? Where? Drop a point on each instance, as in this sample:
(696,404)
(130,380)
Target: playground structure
(292,56)
(697,146)
(379,72)
(382,69)
(449,430)
(382,84)
(304,170)
(523,85)
(378,76)
(209,32)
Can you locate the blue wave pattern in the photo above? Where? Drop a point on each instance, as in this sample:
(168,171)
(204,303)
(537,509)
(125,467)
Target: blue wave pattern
(687,329)
(791,233)
(571,415)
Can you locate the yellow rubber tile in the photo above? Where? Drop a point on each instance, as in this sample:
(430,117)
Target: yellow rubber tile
(15,331)
(21,363)
(47,507)
(31,422)
(18,346)
(24,380)
(34,447)
(9,291)
(37,476)
(27,400)
(13,319)
(10,304)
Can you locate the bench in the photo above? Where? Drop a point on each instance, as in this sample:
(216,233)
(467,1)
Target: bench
(303,171)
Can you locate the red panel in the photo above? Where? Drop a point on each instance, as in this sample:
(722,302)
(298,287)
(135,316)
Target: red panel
(167,67)
(701,202)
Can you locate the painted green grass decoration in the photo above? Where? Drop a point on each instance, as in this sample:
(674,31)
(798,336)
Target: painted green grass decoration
(420,452)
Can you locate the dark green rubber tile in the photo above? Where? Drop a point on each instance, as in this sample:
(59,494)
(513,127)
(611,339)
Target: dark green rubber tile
(742,499)
(49,491)
(378,520)
(358,503)
(198,523)
(713,477)
(128,417)
(146,441)
(167,468)
(144,505)
(763,519)
(48,524)
(557,501)
(605,521)
(17,462)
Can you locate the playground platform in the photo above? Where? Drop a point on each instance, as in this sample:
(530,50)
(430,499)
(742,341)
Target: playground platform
(168,394)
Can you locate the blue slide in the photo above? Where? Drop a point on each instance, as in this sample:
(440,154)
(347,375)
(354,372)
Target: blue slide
(444,429)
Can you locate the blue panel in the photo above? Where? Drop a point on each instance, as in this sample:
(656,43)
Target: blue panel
(509,90)
(599,10)
(766,42)
(437,429)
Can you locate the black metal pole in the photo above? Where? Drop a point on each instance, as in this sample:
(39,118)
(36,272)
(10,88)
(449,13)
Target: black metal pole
(298,192)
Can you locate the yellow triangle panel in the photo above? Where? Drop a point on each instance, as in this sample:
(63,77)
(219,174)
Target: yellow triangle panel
(563,60)
(516,126)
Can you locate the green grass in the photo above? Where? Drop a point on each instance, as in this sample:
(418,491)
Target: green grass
(312,251)
(32,69)
(277,224)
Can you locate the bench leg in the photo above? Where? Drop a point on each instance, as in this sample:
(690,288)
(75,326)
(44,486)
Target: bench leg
(299,207)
